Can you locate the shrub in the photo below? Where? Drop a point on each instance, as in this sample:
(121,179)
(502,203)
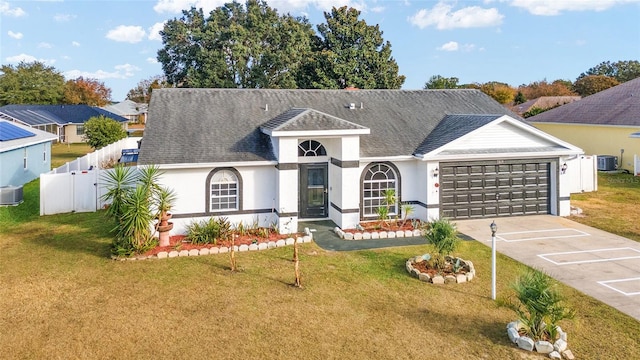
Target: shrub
(208,231)
(443,236)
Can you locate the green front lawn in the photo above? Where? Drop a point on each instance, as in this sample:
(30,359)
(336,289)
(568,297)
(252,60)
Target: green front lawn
(62,297)
(64,153)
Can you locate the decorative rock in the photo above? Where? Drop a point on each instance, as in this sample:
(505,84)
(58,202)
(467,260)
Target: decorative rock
(288,241)
(366,235)
(543,347)
(340,233)
(375,235)
(307,231)
(253,247)
(461,278)
(438,279)
(415,273)
(214,250)
(399,234)
(173,254)
(271,245)
(183,253)
(383,235)
(525,343)
(300,240)
(204,251)
(568,355)
(417,259)
(280,243)
(391,234)
(450,279)
(424,277)
(416,233)
(163,255)
(235,247)
(515,324)
(357,236)
(224,249)
(348,236)
(243,247)
(513,334)
(409,266)
(263,246)
(194,252)
(469,276)
(560,345)
(555,355)
(307,239)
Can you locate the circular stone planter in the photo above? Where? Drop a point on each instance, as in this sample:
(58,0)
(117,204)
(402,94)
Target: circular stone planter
(467,273)
(556,350)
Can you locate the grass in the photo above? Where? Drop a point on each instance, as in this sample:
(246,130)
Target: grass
(64,153)
(62,297)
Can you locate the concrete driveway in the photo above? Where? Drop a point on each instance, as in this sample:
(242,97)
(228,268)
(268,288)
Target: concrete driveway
(597,263)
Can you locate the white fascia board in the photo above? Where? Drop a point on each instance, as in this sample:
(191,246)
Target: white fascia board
(319,133)
(238,164)
(542,134)
(24,145)
(509,155)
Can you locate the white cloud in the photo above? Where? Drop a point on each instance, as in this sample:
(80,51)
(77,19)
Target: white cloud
(64,17)
(154,31)
(6,9)
(450,46)
(75,44)
(556,7)
(15,35)
(442,17)
(123,33)
(66,57)
(121,72)
(151,60)
(44,45)
(28,59)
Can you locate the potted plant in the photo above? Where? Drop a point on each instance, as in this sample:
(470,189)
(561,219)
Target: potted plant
(165,198)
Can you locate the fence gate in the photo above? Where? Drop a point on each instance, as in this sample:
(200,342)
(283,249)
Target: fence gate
(68,192)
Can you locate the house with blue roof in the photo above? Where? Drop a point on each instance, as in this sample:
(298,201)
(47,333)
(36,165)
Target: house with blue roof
(64,121)
(277,156)
(25,153)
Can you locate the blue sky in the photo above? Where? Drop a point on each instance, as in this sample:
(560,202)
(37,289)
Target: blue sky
(511,41)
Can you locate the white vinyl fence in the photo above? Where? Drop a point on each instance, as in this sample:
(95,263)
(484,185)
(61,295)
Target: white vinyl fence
(636,165)
(76,186)
(583,173)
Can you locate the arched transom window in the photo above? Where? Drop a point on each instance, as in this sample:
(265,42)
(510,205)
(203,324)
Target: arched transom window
(376,180)
(223,191)
(311,148)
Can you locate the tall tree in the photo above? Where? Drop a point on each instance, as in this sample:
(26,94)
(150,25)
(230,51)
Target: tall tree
(537,89)
(86,91)
(620,70)
(31,83)
(354,54)
(142,92)
(500,92)
(441,82)
(245,46)
(592,84)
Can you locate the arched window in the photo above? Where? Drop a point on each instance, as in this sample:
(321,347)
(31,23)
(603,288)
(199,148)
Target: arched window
(311,148)
(376,179)
(223,190)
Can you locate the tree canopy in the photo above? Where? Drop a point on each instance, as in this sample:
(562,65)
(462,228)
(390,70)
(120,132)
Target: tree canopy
(100,131)
(142,92)
(622,71)
(86,91)
(31,83)
(592,84)
(441,82)
(252,46)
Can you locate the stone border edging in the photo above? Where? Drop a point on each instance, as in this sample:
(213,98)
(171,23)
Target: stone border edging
(439,279)
(557,350)
(366,235)
(221,249)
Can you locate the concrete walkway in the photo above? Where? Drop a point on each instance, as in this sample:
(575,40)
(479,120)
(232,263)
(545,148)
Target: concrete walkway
(597,263)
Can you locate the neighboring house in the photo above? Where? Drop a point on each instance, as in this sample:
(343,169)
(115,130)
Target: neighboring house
(25,153)
(65,121)
(602,124)
(543,103)
(135,112)
(279,156)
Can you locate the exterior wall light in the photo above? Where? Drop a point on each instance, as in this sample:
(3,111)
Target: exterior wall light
(563,168)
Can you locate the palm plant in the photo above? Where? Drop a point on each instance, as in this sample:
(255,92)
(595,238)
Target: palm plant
(443,236)
(119,183)
(136,219)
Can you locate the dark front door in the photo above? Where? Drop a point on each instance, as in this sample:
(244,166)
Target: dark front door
(314,196)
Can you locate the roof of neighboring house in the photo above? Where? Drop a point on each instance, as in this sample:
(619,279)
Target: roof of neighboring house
(126,107)
(55,114)
(619,105)
(544,102)
(15,136)
(229,125)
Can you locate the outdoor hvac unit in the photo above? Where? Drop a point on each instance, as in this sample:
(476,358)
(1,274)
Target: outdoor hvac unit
(10,195)
(607,162)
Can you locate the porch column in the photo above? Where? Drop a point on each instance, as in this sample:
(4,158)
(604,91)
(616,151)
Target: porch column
(286,196)
(345,200)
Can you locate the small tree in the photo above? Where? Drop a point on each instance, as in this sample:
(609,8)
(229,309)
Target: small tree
(443,236)
(100,131)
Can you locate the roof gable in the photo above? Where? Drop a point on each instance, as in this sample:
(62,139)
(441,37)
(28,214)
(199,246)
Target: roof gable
(300,121)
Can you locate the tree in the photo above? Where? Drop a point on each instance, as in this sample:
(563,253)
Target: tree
(541,88)
(440,82)
(86,91)
(100,131)
(520,98)
(620,70)
(240,46)
(592,84)
(142,92)
(30,83)
(500,92)
(353,54)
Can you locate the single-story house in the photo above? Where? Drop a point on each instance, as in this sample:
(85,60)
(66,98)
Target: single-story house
(602,124)
(279,156)
(543,103)
(65,121)
(25,153)
(135,112)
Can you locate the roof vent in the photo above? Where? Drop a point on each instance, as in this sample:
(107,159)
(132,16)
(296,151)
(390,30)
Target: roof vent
(352,106)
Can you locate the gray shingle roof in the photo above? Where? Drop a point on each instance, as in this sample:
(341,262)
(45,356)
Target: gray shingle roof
(544,102)
(223,125)
(619,105)
(308,119)
(451,128)
(55,114)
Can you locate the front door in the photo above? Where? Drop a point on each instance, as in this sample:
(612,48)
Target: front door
(314,197)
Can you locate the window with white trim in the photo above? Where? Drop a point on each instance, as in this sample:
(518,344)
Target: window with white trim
(376,180)
(223,191)
(311,148)
(24,160)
